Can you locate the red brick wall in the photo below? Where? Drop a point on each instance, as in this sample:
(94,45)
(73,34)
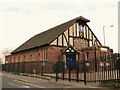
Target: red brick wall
(91,53)
(52,54)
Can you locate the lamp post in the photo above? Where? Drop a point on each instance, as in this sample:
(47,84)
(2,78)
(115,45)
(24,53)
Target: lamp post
(95,59)
(104,32)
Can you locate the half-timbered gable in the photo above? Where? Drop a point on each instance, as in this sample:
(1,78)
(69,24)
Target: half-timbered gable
(78,35)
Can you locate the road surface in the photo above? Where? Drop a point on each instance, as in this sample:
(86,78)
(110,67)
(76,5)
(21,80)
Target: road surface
(17,81)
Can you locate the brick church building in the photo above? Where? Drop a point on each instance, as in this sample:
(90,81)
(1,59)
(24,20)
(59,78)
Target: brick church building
(69,42)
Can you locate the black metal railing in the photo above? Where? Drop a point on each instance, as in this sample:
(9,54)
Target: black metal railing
(83,70)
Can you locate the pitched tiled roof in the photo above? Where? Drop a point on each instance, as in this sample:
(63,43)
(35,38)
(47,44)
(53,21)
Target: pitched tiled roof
(45,38)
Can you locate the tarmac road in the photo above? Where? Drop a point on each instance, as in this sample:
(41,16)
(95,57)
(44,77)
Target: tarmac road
(17,81)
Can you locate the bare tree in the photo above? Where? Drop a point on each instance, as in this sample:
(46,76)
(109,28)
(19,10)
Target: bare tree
(4,53)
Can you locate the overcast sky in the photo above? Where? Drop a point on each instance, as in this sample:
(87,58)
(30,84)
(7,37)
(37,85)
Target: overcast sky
(22,19)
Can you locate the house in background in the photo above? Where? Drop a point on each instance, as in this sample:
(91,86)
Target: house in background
(68,42)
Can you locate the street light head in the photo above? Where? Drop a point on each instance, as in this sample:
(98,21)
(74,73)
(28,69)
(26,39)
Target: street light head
(111,25)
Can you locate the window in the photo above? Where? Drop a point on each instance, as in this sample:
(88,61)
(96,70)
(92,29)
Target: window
(87,55)
(81,31)
(45,54)
(81,34)
(78,30)
(104,56)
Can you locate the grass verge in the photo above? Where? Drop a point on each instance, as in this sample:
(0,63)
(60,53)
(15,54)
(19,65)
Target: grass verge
(113,84)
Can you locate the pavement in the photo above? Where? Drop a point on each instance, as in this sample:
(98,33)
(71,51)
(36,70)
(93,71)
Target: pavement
(33,82)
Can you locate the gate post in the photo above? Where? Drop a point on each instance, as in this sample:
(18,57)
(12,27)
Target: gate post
(17,67)
(69,72)
(118,66)
(63,69)
(13,66)
(85,72)
(77,68)
(56,68)
(23,67)
(77,72)
(42,69)
(8,67)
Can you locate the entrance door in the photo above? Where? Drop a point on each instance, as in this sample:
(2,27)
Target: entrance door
(70,61)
